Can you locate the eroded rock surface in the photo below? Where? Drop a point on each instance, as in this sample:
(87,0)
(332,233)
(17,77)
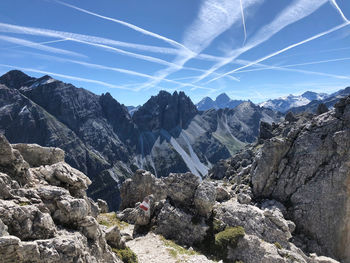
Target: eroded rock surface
(45,215)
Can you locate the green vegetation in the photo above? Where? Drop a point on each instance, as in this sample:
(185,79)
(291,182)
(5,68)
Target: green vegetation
(23,203)
(175,249)
(229,237)
(110,219)
(232,144)
(278,245)
(126,255)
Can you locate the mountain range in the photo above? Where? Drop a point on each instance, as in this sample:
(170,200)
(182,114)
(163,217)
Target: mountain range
(221,102)
(166,134)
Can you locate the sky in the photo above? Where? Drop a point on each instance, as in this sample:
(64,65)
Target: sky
(249,49)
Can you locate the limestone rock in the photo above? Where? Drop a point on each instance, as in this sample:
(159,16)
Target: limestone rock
(176,224)
(181,188)
(141,185)
(114,238)
(204,198)
(222,194)
(103,206)
(36,155)
(270,227)
(297,166)
(45,215)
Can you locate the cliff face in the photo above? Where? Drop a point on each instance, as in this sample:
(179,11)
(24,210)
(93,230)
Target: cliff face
(303,163)
(306,165)
(45,215)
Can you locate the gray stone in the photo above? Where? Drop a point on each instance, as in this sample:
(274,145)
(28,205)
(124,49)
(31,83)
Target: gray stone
(204,198)
(177,225)
(36,155)
(102,204)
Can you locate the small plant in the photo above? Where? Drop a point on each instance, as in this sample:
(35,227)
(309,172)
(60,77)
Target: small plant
(228,238)
(278,245)
(110,219)
(175,249)
(126,255)
(23,203)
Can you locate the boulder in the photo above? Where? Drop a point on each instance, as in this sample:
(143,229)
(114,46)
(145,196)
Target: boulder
(264,224)
(181,187)
(103,206)
(142,184)
(45,215)
(204,198)
(36,155)
(114,238)
(175,224)
(222,194)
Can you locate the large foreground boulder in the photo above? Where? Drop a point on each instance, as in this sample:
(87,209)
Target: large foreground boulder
(45,215)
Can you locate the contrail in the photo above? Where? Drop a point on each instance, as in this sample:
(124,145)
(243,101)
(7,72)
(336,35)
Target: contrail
(339,10)
(88,38)
(298,10)
(283,50)
(115,69)
(68,77)
(136,28)
(39,43)
(27,43)
(243,21)
(287,68)
(264,67)
(101,42)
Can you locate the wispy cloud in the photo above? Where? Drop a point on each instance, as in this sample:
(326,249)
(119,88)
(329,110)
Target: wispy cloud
(129,25)
(101,83)
(284,49)
(201,33)
(298,10)
(39,46)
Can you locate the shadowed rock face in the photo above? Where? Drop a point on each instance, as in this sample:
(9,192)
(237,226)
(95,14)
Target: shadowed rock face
(165,111)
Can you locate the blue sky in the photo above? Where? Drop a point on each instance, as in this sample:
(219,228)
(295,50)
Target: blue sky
(250,49)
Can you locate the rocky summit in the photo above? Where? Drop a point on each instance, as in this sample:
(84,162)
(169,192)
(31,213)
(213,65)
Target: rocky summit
(45,215)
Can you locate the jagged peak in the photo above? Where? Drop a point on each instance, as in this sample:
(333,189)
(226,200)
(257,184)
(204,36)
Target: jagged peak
(16,79)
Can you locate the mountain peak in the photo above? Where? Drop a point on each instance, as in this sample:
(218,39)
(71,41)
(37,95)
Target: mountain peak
(165,111)
(15,79)
(223,98)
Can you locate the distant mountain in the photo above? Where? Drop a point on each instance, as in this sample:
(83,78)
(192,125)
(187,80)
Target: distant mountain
(132,109)
(100,137)
(283,104)
(221,102)
(329,101)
